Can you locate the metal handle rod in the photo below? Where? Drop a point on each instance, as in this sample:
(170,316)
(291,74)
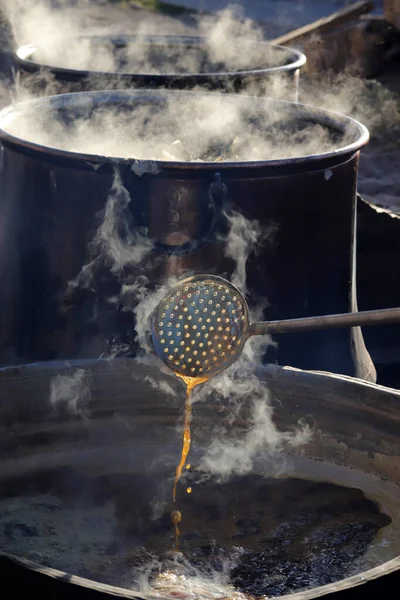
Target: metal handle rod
(368,317)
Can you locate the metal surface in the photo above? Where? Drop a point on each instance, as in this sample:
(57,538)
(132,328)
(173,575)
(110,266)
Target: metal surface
(76,80)
(52,205)
(384,316)
(199,329)
(126,423)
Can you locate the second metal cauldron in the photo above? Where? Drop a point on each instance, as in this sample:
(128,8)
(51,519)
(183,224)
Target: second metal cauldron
(277,75)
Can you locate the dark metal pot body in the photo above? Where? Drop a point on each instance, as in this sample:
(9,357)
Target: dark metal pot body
(53,202)
(123,414)
(280,81)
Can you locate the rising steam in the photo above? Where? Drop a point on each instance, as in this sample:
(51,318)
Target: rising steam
(232,451)
(116,243)
(207,129)
(52,28)
(178,577)
(71,392)
(179,126)
(245,236)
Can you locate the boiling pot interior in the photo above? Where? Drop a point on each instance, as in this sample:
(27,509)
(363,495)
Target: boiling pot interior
(181,127)
(88,457)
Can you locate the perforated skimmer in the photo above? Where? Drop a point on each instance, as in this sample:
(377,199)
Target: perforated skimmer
(201,326)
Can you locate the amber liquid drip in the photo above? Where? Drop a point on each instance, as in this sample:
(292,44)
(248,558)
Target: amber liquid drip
(191,383)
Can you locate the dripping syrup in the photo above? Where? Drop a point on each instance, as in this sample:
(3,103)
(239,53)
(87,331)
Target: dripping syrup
(191,383)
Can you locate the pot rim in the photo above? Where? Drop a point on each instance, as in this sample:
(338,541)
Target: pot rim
(23,57)
(329,118)
(363,578)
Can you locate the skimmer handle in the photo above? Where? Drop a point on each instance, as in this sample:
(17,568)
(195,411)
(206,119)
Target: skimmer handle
(369,317)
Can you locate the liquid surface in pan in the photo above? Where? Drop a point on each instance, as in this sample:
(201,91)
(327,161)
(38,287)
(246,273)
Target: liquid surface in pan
(252,536)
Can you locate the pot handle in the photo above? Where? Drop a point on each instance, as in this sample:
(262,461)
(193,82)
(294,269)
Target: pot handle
(217,195)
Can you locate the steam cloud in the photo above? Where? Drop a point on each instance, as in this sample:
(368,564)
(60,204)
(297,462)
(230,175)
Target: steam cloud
(50,28)
(180,126)
(208,129)
(71,392)
(178,576)
(230,453)
(245,236)
(116,243)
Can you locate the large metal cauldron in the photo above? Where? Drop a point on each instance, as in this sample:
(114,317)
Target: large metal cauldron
(53,202)
(276,75)
(88,452)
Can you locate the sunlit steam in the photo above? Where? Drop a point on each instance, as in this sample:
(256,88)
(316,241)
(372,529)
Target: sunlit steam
(212,128)
(245,236)
(116,242)
(71,392)
(178,576)
(232,452)
(208,129)
(52,28)
(358,98)
(231,43)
